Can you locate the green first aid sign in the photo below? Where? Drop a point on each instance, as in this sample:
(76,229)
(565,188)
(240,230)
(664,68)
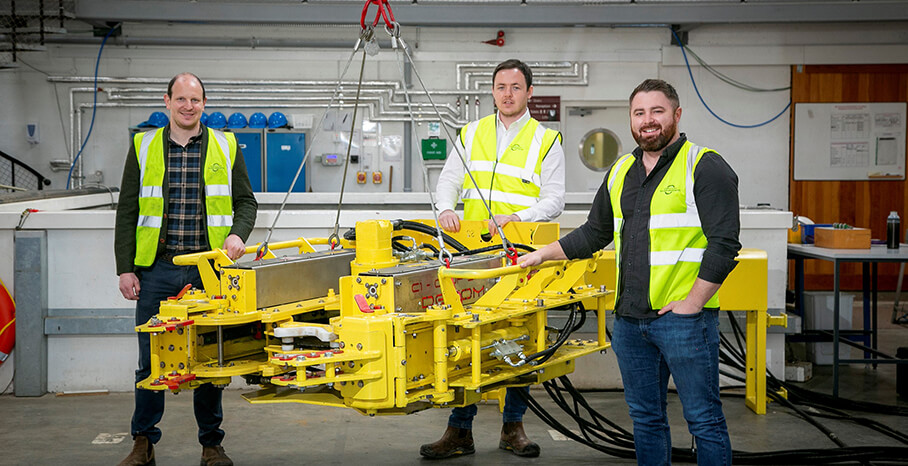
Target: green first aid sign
(434,149)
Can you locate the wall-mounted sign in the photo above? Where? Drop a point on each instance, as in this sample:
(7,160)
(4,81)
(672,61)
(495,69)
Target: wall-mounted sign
(545,108)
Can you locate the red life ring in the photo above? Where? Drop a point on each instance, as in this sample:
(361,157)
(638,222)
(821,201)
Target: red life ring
(7,323)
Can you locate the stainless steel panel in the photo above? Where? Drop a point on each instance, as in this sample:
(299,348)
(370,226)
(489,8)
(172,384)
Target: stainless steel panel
(416,285)
(296,278)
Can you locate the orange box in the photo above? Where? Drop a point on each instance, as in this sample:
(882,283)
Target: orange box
(855,238)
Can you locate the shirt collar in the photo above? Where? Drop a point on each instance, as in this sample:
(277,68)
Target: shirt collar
(515,125)
(202,129)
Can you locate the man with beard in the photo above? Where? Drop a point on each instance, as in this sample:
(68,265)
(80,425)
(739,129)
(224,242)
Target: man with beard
(518,165)
(671,208)
(185,189)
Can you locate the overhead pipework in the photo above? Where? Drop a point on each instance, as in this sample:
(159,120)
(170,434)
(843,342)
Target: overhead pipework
(384,99)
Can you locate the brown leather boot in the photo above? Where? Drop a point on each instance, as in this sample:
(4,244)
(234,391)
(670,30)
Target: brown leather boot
(142,453)
(513,438)
(454,441)
(215,456)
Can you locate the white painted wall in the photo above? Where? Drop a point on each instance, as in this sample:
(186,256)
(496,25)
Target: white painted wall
(618,59)
(82,276)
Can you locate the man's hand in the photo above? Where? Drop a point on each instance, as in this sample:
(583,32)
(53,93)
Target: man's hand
(683,307)
(502,220)
(529,260)
(234,247)
(551,251)
(699,295)
(449,221)
(129,286)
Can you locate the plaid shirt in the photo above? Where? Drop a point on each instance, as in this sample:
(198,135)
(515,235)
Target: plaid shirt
(185,229)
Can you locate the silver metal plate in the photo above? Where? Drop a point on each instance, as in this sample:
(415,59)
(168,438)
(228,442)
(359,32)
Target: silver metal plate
(294,278)
(416,285)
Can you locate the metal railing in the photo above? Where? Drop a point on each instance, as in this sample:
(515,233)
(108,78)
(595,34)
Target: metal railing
(17,176)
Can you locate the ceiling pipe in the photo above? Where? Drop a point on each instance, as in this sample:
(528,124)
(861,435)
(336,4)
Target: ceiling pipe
(247,42)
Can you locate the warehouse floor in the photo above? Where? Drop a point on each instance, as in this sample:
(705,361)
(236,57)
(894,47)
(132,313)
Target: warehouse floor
(92,430)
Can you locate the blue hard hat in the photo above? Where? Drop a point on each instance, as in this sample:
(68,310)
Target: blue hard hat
(257,120)
(155,120)
(217,120)
(277,120)
(204,119)
(236,120)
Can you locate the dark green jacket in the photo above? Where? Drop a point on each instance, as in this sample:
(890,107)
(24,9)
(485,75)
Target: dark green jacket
(244,204)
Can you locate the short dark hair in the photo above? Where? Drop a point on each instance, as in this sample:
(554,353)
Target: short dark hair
(659,85)
(514,64)
(174,79)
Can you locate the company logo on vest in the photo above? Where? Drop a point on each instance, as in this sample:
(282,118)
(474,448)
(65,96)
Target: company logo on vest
(669,190)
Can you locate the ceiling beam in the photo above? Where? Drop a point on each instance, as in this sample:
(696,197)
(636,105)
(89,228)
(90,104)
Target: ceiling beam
(497,14)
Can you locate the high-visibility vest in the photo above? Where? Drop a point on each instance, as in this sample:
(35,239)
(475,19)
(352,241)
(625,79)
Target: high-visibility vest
(510,183)
(218,178)
(676,239)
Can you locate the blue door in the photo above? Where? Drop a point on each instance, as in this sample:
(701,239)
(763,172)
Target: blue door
(250,143)
(284,151)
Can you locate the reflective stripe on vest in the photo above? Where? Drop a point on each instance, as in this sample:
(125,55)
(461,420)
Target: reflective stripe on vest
(217,176)
(677,242)
(512,182)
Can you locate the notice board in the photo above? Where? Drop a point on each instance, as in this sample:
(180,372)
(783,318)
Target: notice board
(849,141)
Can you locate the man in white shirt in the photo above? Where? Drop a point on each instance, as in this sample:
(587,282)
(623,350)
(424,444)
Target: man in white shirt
(518,166)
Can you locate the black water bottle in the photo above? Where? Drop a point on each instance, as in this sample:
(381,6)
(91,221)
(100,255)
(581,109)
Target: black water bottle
(893,230)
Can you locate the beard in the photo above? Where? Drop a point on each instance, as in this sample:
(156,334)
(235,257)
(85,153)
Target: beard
(656,143)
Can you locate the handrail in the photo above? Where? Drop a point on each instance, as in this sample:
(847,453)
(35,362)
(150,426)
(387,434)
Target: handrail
(305,245)
(41,180)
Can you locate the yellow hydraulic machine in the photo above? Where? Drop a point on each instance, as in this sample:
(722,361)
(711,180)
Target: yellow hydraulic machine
(380,325)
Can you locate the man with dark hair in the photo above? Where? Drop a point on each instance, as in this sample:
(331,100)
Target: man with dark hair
(671,208)
(185,189)
(518,165)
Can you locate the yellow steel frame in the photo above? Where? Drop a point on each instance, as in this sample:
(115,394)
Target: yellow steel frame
(389,357)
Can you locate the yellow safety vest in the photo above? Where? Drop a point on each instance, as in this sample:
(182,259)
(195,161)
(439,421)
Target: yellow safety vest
(512,183)
(676,239)
(218,178)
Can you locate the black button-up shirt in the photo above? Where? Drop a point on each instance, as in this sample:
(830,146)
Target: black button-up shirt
(716,194)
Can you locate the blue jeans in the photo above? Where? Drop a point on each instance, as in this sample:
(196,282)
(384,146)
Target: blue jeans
(514,408)
(687,348)
(158,282)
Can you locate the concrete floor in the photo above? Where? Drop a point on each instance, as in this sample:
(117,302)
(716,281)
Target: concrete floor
(66,429)
(92,430)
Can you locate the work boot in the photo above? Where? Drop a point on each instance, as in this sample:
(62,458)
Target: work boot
(455,441)
(142,453)
(513,438)
(215,456)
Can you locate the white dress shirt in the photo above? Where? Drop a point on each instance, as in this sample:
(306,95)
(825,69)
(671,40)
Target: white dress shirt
(551,192)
